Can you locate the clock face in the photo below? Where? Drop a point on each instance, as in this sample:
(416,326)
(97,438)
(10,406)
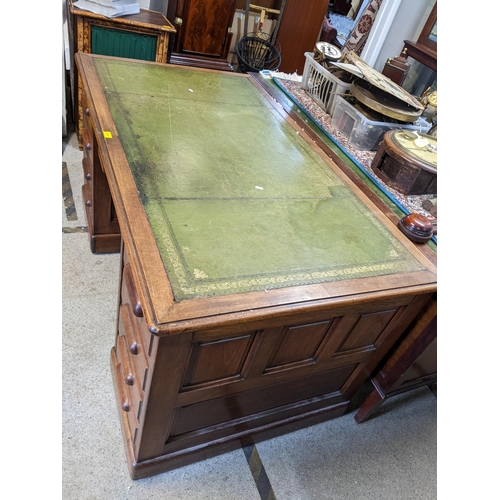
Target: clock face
(422,147)
(383,83)
(331,52)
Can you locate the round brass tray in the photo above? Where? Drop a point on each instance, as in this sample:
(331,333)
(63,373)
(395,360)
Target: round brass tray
(383,102)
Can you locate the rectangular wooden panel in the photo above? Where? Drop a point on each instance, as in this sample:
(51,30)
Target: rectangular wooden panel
(249,403)
(217,360)
(299,31)
(120,43)
(299,343)
(202,13)
(367,329)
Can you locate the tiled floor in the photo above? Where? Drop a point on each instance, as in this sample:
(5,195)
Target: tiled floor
(391,456)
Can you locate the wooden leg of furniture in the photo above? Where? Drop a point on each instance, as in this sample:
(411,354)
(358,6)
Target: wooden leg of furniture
(412,364)
(374,400)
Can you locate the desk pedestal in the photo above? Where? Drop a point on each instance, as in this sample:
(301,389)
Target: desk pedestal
(193,395)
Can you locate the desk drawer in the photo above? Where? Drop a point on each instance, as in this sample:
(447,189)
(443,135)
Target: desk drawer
(134,346)
(87,172)
(129,374)
(88,161)
(129,297)
(126,402)
(88,129)
(88,144)
(87,202)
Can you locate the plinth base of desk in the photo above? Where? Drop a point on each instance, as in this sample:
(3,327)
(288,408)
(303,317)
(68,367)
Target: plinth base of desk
(99,243)
(165,463)
(190,455)
(105,243)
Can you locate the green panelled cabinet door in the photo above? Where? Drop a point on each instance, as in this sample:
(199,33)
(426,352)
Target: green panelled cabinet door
(119,43)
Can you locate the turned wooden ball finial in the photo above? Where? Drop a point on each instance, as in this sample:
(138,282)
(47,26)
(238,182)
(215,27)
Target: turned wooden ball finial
(416,227)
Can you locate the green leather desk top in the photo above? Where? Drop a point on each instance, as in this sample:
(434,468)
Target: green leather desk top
(237,200)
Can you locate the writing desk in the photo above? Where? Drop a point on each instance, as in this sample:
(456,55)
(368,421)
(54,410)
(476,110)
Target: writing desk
(259,288)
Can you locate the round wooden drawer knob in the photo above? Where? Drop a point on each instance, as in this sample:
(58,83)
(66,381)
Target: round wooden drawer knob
(134,348)
(88,203)
(88,176)
(126,406)
(87,111)
(129,380)
(88,146)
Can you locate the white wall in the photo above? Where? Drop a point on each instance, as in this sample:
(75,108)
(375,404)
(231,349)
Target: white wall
(407,24)
(158,5)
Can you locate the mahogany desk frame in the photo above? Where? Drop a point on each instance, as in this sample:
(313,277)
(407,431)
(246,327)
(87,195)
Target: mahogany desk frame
(200,377)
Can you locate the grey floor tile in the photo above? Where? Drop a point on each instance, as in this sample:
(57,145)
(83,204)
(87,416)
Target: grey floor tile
(220,478)
(391,456)
(85,273)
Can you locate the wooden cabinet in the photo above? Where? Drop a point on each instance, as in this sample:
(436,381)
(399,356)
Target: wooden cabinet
(299,31)
(138,36)
(203,32)
(228,329)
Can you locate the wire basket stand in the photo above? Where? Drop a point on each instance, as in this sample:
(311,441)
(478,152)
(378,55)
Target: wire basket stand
(258,50)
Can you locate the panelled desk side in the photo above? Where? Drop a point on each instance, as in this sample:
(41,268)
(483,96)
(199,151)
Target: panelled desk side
(195,378)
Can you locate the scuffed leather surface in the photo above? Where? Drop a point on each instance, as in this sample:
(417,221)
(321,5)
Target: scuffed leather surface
(236,199)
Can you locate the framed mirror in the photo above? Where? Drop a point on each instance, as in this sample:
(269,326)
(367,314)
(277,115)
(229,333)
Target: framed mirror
(428,35)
